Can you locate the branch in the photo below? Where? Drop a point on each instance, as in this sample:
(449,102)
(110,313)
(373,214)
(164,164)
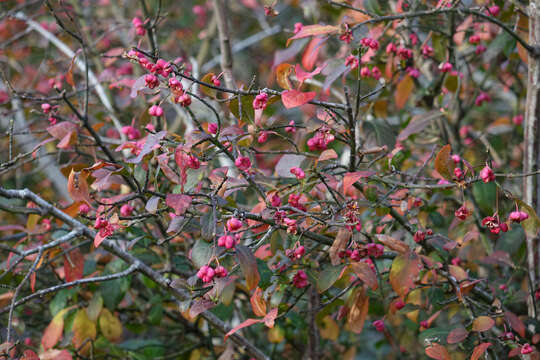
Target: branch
(80,64)
(533,51)
(59,287)
(224,43)
(113,248)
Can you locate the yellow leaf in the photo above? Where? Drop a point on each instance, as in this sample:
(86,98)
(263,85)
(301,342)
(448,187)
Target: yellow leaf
(282,75)
(329,329)
(84,329)
(110,326)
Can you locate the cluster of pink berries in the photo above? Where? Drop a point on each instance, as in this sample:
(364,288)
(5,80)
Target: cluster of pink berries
(300,279)
(420,235)
(48,110)
(226,241)
(105,228)
(346,34)
(296,253)
(518,216)
(139,26)
(462,213)
(482,98)
(131,132)
(371,249)
(494,225)
(374,72)
(260,101)
(206,273)
(370,43)
(298,172)
(321,139)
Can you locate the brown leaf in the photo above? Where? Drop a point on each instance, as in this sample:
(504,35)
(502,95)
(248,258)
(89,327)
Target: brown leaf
(366,274)
(479,350)
(444,163)
(359,310)
(78,186)
(404,271)
(340,242)
(404,90)
(69,74)
(457,335)
(418,123)
(257,303)
(437,352)
(393,244)
(248,263)
(206,90)
(482,323)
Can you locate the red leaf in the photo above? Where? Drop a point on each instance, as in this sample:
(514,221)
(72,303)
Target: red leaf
(270,317)
(350,178)
(479,350)
(312,51)
(312,30)
(515,323)
(180,203)
(437,352)
(29,355)
(53,332)
(457,335)
(302,75)
(257,303)
(151,143)
(163,161)
(246,323)
(248,263)
(73,265)
(294,98)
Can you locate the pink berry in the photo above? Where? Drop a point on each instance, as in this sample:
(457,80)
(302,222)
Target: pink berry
(84,209)
(243,163)
(379,325)
(212,128)
(486,174)
(233,224)
(126,210)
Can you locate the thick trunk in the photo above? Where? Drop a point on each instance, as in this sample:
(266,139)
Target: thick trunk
(531,184)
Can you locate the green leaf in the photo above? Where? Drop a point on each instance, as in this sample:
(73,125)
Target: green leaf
(328,277)
(484,194)
(114,289)
(201,253)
